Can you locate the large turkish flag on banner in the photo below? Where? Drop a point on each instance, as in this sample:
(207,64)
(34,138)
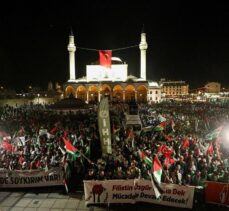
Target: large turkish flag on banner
(105,57)
(217,193)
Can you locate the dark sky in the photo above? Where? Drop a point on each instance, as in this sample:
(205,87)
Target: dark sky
(187,40)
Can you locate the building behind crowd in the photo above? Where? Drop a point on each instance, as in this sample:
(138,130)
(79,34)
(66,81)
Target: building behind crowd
(114,82)
(212,87)
(154,93)
(174,89)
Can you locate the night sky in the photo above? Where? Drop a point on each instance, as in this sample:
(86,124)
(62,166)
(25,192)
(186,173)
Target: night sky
(186,40)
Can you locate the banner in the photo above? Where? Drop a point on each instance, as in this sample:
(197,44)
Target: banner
(132,191)
(217,193)
(104,126)
(31,178)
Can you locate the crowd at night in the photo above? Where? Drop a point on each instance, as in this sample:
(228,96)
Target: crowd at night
(32,138)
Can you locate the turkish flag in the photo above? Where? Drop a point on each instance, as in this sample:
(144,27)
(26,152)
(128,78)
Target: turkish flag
(7,146)
(185,144)
(163,149)
(105,57)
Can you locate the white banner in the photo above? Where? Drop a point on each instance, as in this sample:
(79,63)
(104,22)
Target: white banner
(31,178)
(131,191)
(104,126)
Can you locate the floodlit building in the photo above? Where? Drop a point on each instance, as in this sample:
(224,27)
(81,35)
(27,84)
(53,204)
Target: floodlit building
(212,87)
(174,88)
(154,93)
(113,81)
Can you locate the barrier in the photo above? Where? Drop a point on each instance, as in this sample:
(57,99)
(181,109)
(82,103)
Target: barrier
(31,178)
(137,190)
(217,193)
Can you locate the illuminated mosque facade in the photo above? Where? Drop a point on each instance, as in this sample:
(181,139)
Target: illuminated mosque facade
(113,82)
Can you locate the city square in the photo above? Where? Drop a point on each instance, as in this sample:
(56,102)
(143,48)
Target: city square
(95,117)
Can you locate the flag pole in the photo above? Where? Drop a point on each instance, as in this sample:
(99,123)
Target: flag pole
(156,191)
(84,156)
(74,150)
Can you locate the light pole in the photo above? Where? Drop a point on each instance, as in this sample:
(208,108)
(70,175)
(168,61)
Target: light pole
(92,97)
(38,95)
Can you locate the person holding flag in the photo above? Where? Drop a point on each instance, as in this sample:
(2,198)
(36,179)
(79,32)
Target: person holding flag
(155,172)
(76,155)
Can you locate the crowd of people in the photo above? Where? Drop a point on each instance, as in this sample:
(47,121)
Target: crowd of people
(182,135)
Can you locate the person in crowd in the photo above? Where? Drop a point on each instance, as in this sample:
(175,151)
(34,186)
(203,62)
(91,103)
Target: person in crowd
(166,176)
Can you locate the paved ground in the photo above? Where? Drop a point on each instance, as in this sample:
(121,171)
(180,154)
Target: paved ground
(18,201)
(59,201)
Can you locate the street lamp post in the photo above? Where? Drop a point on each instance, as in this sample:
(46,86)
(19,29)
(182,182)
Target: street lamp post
(38,95)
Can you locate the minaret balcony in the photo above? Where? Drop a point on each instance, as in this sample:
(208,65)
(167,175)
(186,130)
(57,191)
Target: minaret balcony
(143,46)
(71,48)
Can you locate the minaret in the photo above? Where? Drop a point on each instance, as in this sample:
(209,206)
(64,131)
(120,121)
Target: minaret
(71,49)
(143,46)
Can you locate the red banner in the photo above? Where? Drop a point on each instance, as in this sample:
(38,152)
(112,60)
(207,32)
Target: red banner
(217,193)
(105,57)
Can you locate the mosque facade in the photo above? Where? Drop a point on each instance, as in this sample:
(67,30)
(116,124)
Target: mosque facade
(112,82)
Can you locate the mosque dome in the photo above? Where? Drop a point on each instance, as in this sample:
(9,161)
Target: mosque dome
(131,78)
(116,60)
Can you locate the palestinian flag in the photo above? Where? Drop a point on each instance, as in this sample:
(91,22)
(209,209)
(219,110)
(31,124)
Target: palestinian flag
(156,177)
(214,134)
(160,127)
(71,149)
(157,169)
(145,158)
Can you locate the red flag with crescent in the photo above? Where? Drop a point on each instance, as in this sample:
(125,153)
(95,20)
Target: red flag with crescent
(105,58)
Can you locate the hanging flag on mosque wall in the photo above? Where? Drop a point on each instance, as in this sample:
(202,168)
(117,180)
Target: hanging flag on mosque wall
(105,58)
(104,126)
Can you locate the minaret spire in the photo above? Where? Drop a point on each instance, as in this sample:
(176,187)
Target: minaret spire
(71,32)
(143,47)
(71,50)
(143,28)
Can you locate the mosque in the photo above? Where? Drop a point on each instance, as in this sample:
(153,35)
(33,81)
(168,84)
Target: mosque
(113,82)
